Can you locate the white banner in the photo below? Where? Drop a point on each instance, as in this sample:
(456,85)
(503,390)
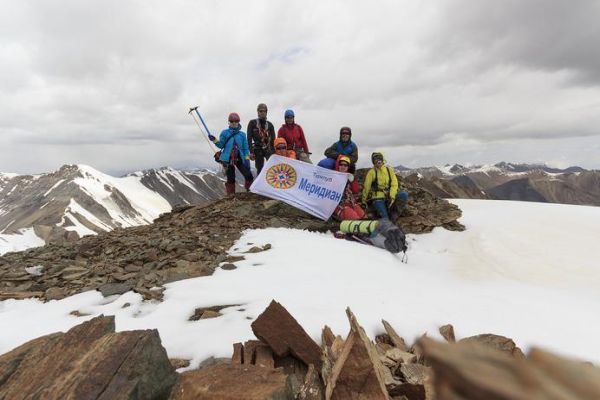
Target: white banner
(305,186)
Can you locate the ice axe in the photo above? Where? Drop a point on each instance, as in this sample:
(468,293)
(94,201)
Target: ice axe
(204,124)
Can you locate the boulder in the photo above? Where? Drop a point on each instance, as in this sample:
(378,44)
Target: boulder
(580,379)
(238,354)
(394,337)
(497,342)
(471,370)
(447,332)
(111,289)
(90,361)
(232,382)
(398,356)
(357,373)
(312,388)
(276,327)
(55,293)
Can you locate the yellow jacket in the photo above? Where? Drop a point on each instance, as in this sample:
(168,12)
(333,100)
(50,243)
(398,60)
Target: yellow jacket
(382,181)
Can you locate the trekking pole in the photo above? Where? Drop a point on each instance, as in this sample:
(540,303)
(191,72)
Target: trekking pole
(201,130)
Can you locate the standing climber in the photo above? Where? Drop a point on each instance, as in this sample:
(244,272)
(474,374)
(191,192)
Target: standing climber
(234,153)
(261,134)
(294,136)
(380,188)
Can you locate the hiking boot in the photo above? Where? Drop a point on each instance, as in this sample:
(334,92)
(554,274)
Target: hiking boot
(229,189)
(402,210)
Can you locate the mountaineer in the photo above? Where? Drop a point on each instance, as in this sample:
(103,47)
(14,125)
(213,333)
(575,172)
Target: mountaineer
(380,189)
(348,208)
(261,134)
(281,149)
(234,153)
(294,136)
(344,146)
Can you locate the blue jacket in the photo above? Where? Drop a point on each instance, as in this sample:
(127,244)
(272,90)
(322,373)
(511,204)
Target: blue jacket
(239,141)
(348,148)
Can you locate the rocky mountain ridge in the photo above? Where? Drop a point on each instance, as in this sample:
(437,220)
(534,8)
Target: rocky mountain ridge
(187,242)
(77,200)
(507,181)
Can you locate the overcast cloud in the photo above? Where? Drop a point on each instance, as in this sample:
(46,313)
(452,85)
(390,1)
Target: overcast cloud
(109,83)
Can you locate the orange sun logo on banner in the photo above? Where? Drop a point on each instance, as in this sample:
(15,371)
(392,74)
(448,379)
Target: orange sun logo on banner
(281,176)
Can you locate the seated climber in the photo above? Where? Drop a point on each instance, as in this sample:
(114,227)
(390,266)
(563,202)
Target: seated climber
(281,149)
(349,208)
(380,189)
(344,146)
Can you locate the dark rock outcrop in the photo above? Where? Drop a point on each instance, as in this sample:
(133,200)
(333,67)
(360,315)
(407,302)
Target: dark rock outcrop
(228,382)
(90,361)
(277,328)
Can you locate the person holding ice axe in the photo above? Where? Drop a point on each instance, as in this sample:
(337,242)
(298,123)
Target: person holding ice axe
(234,151)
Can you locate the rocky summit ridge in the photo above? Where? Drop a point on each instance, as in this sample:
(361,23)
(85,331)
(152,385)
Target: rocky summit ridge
(189,241)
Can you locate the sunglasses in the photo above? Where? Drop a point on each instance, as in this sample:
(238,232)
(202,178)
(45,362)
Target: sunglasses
(282,147)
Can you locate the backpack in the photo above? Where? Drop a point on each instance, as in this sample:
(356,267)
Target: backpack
(218,153)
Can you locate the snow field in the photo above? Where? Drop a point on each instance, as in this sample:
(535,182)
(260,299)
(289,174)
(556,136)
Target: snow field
(523,270)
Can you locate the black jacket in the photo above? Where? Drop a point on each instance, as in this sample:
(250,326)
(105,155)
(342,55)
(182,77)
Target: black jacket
(255,142)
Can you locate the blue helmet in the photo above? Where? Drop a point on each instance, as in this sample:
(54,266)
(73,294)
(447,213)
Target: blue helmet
(289,113)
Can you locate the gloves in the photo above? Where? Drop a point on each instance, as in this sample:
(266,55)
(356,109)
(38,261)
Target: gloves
(350,178)
(211,137)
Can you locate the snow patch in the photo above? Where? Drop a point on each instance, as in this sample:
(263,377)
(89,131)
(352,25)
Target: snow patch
(53,187)
(25,239)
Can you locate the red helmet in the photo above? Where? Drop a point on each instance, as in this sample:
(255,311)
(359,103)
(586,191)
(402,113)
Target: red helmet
(233,117)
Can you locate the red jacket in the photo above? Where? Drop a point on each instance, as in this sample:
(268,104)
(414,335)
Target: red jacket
(294,136)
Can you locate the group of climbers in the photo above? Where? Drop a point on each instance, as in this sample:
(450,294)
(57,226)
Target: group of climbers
(380,187)
(238,148)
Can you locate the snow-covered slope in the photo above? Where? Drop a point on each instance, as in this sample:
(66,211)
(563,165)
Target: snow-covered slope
(78,200)
(525,270)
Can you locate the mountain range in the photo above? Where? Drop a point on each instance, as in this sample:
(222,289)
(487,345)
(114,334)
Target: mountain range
(508,181)
(77,200)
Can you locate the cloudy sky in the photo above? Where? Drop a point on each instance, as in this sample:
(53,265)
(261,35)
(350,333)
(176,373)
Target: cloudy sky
(109,83)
